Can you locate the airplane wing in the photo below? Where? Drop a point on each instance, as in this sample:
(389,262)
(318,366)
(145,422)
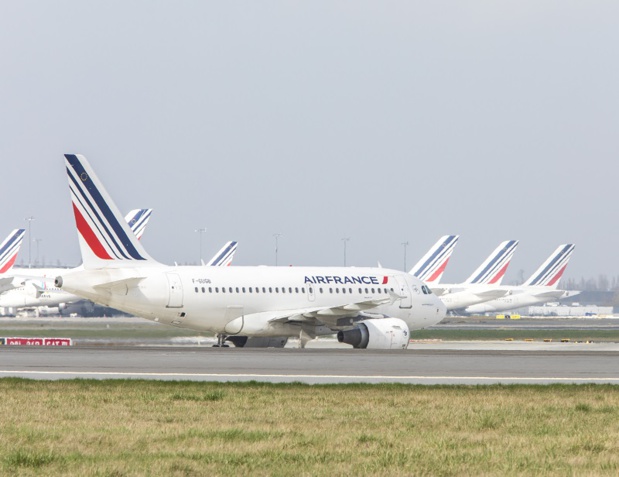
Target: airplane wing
(333,317)
(8,283)
(491,294)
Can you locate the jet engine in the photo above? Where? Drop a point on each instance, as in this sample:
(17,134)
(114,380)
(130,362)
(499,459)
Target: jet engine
(385,333)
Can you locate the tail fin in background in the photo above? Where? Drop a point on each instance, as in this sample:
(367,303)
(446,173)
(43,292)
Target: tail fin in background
(137,220)
(106,240)
(224,257)
(491,271)
(550,272)
(10,248)
(432,265)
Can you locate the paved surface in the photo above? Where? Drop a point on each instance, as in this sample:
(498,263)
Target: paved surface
(424,363)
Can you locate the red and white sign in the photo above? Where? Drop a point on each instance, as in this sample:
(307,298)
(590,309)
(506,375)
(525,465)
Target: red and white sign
(37,341)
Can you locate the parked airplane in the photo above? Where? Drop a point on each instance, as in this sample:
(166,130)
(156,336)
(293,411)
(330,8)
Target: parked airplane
(430,267)
(8,254)
(224,257)
(483,284)
(540,288)
(366,307)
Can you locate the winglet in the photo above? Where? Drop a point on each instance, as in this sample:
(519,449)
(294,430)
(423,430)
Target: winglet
(10,248)
(550,272)
(431,266)
(491,271)
(106,241)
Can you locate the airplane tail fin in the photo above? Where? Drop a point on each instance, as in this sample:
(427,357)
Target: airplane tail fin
(224,257)
(431,266)
(550,272)
(491,271)
(137,220)
(106,240)
(10,248)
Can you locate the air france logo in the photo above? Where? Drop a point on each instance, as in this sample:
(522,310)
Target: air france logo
(358,280)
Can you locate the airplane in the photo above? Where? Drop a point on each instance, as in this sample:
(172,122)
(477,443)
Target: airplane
(483,284)
(8,254)
(34,287)
(431,266)
(223,258)
(541,287)
(372,308)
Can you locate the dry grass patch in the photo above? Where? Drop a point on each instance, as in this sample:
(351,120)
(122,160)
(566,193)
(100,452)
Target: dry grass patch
(125,428)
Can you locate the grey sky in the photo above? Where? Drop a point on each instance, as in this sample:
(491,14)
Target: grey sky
(381,121)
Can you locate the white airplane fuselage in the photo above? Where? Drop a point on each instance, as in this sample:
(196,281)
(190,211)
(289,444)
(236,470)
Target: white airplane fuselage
(519,298)
(36,292)
(248,300)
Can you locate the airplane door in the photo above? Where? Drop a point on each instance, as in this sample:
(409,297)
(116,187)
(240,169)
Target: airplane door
(403,290)
(175,299)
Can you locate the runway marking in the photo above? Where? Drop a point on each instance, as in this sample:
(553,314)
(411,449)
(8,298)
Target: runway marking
(312,376)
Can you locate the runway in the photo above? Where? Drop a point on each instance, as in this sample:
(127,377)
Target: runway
(487,363)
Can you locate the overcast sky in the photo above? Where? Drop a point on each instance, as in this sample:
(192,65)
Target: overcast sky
(383,122)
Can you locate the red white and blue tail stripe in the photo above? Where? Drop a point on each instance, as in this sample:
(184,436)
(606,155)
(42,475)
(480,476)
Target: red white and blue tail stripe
(492,270)
(10,248)
(137,220)
(224,257)
(431,266)
(105,238)
(550,272)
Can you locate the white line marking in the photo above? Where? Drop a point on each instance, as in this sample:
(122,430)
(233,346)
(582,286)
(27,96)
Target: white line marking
(309,376)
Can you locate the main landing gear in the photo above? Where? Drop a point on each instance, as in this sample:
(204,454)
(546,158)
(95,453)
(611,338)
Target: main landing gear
(221,341)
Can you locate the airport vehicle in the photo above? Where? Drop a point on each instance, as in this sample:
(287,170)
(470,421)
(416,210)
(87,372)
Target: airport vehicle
(541,287)
(431,266)
(484,282)
(366,307)
(8,254)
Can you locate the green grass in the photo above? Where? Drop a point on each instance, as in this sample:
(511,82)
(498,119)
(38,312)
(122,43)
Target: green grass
(153,331)
(517,334)
(126,428)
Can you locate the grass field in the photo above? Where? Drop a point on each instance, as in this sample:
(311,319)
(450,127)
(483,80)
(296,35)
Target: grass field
(126,428)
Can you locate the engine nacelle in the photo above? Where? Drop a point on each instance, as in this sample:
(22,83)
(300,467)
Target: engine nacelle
(385,333)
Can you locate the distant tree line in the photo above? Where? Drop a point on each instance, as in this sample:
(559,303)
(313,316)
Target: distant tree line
(601,283)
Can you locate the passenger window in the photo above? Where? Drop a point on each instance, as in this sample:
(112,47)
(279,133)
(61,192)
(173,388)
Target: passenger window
(243,289)
(343,290)
(320,289)
(237,289)
(270,290)
(330,290)
(296,289)
(264,290)
(216,289)
(203,290)
(196,289)
(210,289)
(302,289)
(289,289)
(372,290)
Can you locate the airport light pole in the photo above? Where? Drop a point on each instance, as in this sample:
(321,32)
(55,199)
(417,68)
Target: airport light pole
(29,219)
(405,244)
(277,236)
(345,240)
(200,232)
